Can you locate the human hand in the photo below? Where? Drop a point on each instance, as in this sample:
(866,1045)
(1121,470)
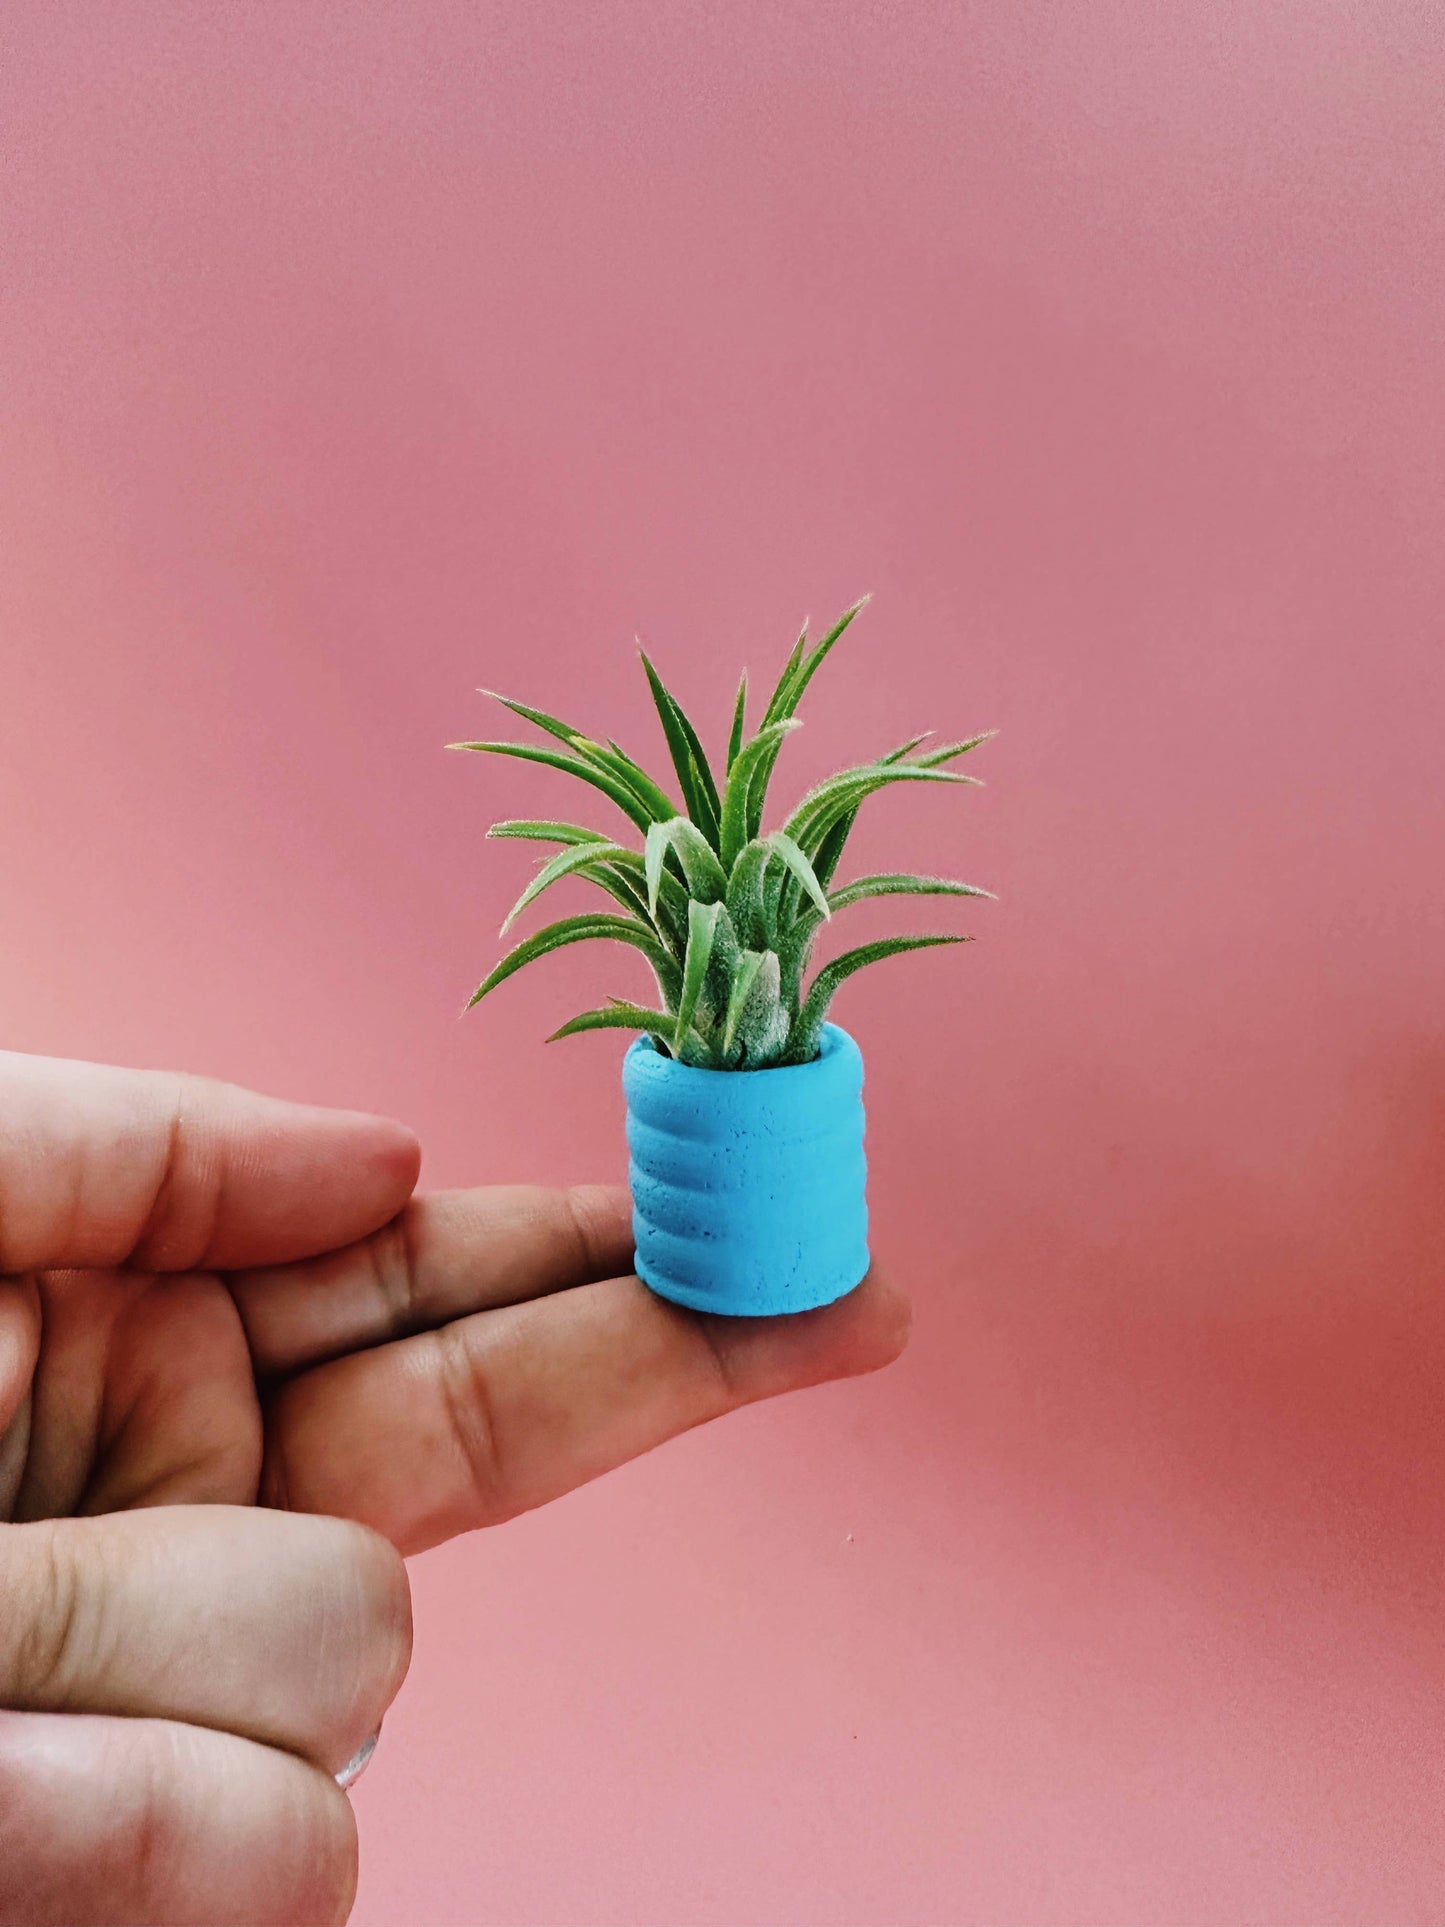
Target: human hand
(211,1300)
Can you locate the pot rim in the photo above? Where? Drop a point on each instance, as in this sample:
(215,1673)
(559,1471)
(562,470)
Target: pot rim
(835,1043)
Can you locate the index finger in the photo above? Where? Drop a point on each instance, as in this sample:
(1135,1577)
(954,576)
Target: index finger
(106,1167)
(293,1632)
(505,1410)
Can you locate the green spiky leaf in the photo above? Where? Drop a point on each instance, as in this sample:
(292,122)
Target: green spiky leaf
(553,725)
(829,852)
(582,857)
(535,831)
(745,894)
(905,749)
(727,953)
(702,925)
(610,757)
(811,1018)
(948,751)
(740,710)
(745,977)
(739,992)
(616,1015)
(763,1024)
(625,798)
(628,889)
(800,673)
(583,929)
(706,879)
(772,712)
(795,679)
(804,929)
(699,791)
(622,880)
(901,884)
(738,797)
(822,822)
(839,794)
(792,858)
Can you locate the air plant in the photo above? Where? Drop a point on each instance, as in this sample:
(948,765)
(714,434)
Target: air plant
(724,911)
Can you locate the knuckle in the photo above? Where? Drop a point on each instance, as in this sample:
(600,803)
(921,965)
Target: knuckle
(391,1254)
(186,1202)
(51,1626)
(466,1396)
(601,1215)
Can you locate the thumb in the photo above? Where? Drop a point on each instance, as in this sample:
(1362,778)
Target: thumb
(206,1629)
(291,1630)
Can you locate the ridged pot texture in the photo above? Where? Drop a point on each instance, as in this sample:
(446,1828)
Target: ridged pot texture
(748,1187)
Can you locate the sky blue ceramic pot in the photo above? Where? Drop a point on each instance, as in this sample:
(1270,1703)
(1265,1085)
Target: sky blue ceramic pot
(748,1186)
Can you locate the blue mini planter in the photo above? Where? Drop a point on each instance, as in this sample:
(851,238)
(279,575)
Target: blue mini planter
(748,1186)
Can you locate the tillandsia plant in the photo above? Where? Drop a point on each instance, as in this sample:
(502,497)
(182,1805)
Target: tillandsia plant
(724,911)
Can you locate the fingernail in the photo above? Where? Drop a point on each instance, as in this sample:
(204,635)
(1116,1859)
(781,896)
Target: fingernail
(357,1764)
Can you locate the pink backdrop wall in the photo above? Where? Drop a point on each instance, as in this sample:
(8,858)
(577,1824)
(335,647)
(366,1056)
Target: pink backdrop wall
(356,355)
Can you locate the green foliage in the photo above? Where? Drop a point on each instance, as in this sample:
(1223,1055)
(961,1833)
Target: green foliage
(725,914)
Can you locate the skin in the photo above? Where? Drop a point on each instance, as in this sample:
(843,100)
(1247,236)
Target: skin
(242,1372)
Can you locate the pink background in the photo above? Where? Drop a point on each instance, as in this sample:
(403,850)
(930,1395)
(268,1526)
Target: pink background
(354,355)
